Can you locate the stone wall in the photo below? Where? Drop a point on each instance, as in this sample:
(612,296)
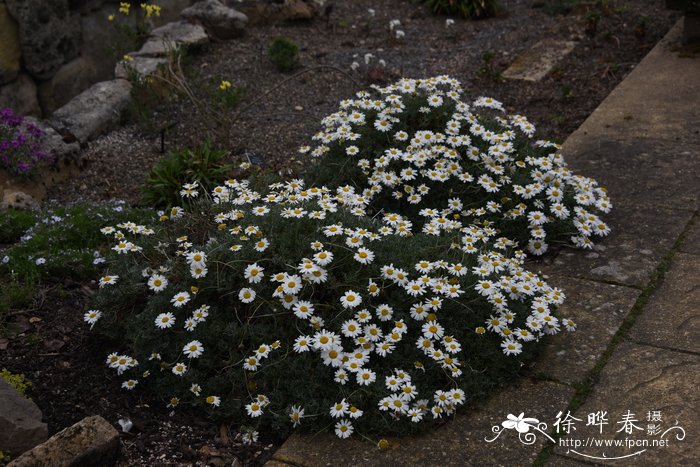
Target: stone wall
(52,50)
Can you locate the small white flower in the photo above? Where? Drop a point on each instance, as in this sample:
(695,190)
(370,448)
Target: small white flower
(92,316)
(246,295)
(193,349)
(350,299)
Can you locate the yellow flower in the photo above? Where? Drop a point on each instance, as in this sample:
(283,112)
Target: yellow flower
(150,9)
(128,58)
(124,8)
(110,18)
(225,85)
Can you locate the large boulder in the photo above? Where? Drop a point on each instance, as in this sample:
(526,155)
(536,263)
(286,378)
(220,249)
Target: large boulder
(49,34)
(70,80)
(219,20)
(9,47)
(21,96)
(21,427)
(91,441)
(93,111)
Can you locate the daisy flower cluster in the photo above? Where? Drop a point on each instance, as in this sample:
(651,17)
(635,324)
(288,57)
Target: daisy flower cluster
(420,148)
(292,306)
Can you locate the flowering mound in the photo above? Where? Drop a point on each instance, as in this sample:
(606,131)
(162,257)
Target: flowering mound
(418,148)
(290,308)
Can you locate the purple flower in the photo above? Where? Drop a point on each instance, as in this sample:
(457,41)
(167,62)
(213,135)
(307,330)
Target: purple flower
(20,144)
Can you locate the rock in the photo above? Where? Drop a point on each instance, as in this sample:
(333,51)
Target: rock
(49,34)
(536,62)
(21,96)
(9,47)
(73,78)
(17,200)
(53,143)
(91,441)
(93,111)
(21,427)
(298,10)
(167,38)
(140,66)
(219,20)
(267,12)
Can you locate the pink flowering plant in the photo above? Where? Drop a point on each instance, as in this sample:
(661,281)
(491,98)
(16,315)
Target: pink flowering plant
(20,145)
(289,307)
(422,149)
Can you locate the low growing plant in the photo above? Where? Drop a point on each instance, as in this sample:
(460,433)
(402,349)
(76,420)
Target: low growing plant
(473,9)
(17,381)
(417,147)
(13,224)
(292,308)
(284,53)
(63,242)
(20,145)
(227,96)
(204,165)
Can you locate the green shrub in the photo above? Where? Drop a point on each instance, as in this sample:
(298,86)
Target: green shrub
(284,53)
(63,243)
(207,309)
(418,148)
(204,165)
(13,223)
(465,8)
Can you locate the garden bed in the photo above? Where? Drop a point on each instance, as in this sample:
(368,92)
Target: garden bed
(56,350)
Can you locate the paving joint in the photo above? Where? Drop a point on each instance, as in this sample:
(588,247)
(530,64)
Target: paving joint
(584,388)
(663,347)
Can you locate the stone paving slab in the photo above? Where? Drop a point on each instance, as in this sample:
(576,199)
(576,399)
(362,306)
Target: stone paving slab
(598,309)
(671,319)
(561,461)
(646,103)
(641,379)
(538,60)
(640,238)
(642,171)
(457,443)
(692,241)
